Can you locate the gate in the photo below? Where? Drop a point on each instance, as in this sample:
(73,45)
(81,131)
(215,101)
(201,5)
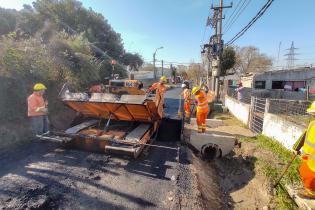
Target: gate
(258,106)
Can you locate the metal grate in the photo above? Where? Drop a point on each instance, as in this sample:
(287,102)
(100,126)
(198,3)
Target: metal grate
(257,114)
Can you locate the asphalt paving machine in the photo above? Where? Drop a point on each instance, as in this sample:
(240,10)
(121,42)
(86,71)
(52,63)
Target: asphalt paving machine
(114,121)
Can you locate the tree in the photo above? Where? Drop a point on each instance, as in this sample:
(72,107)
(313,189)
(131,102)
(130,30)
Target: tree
(195,72)
(249,59)
(227,59)
(133,60)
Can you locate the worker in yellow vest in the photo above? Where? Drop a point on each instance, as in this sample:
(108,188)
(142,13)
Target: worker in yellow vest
(186,95)
(307,168)
(202,108)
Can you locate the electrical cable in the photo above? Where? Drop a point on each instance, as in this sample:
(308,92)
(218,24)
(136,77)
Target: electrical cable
(236,17)
(228,20)
(254,19)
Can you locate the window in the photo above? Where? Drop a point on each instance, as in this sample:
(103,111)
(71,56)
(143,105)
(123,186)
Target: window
(260,84)
(277,85)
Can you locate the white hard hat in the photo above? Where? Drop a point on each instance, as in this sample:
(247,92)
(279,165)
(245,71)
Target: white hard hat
(184,85)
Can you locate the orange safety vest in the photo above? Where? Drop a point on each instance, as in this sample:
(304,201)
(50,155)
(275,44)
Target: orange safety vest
(160,88)
(202,102)
(35,101)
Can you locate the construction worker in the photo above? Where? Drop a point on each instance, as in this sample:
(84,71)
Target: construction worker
(307,168)
(159,86)
(202,108)
(186,95)
(38,109)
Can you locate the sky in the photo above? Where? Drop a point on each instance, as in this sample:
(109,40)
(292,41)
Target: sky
(179,26)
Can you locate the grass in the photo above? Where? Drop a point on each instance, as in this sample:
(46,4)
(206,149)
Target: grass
(272,170)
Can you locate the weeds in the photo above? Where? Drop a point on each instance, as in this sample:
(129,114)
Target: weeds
(272,169)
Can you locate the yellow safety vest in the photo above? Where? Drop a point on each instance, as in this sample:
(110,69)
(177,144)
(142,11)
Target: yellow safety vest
(308,149)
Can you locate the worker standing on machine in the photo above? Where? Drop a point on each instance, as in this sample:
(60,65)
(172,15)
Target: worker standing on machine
(307,168)
(160,86)
(186,95)
(202,108)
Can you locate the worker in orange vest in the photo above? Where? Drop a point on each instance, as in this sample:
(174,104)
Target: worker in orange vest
(159,86)
(307,168)
(186,95)
(202,108)
(38,109)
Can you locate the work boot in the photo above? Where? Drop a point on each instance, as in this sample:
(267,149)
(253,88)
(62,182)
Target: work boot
(306,195)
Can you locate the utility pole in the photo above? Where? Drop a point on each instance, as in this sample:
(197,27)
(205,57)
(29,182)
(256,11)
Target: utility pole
(154,70)
(218,45)
(162,68)
(154,54)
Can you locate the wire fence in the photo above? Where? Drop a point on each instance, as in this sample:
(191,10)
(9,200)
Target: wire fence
(292,110)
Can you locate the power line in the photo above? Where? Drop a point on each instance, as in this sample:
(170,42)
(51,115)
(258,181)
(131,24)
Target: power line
(236,17)
(257,16)
(231,16)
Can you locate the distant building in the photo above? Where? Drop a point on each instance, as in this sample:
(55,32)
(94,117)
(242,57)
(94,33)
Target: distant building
(295,84)
(289,80)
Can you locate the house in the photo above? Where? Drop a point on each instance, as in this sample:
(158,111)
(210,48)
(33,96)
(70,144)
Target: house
(288,80)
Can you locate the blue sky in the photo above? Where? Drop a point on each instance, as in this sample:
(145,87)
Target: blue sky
(179,26)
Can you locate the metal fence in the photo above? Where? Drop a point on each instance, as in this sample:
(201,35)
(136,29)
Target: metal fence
(257,112)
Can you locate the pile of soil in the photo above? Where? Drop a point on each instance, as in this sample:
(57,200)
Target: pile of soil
(243,186)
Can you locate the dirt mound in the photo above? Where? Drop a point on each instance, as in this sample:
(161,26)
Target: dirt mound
(243,186)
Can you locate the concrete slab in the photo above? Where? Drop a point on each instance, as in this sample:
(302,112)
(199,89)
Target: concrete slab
(212,123)
(302,203)
(224,142)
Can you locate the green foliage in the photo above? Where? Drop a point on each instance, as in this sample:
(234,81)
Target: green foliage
(228,59)
(273,170)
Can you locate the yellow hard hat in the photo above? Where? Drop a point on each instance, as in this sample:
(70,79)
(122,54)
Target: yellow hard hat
(39,86)
(311,109)
(195,90)
(163,78)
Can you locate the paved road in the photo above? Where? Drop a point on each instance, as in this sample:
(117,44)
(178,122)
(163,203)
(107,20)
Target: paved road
(44,175)
(172,103)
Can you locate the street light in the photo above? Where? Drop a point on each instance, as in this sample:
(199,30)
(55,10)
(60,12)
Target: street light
(154,70)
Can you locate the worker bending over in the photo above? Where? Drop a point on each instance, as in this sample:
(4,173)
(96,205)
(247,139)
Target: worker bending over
(307,167)
(38,109)
(160,86)
(186,95)
(202,108)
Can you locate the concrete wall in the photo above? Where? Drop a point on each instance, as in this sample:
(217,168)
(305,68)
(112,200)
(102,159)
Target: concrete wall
(282,130)
(285,75)
(238,109)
